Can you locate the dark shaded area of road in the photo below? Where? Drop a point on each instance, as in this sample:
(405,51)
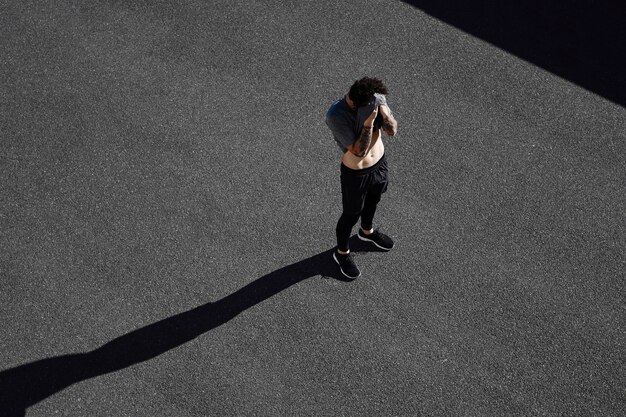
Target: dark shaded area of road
(581,41)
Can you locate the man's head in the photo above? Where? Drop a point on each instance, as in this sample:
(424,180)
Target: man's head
(363,90)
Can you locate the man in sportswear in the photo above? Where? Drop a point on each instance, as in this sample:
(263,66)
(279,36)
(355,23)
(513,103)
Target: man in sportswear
(356,122)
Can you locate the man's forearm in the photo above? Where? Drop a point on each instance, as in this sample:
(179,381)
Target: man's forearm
(364,141)
(390,125)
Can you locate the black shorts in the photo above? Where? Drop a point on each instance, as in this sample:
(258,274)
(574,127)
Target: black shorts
(357,185)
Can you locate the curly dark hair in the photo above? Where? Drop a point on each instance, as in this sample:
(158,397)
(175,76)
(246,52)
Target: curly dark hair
(363,90)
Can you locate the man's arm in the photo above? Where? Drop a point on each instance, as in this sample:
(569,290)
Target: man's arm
(390,125)
(363,142)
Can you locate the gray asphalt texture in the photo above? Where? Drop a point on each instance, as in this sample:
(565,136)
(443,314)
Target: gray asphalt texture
(169,193)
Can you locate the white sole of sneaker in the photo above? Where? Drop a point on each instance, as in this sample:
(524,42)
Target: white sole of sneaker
(364,239)
(344,274)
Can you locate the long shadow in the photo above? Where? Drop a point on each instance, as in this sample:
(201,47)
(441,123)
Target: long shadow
(28,384)
(581,41)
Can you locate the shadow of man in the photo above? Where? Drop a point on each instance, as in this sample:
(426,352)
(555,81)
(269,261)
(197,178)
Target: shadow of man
(28,384)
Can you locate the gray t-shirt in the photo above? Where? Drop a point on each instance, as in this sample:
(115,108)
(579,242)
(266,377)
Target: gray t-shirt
(346,124)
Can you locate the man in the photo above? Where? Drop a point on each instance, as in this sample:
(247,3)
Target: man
(356,121)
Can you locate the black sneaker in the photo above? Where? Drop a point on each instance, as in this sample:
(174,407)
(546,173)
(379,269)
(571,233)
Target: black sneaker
(347,265)
(381,240)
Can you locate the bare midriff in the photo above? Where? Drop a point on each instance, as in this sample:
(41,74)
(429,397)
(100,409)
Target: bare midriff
(373,155)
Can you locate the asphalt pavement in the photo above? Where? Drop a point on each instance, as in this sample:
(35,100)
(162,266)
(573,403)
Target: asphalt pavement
(169,193)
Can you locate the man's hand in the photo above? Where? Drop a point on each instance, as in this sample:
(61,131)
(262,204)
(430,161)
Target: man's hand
(384,111)
(390,125)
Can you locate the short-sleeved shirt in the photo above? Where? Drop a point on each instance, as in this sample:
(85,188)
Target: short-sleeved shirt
(346,124)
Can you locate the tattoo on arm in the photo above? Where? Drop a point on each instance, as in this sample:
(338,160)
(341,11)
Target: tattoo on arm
(390,126)
(364,140)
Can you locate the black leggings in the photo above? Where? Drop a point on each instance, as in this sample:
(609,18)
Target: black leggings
(360,193)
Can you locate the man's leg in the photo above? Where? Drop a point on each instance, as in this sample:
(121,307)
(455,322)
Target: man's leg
(353,191)
(342,255)
(344,230)
(377,188)
(352,196)
(378,185)
(369,209)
